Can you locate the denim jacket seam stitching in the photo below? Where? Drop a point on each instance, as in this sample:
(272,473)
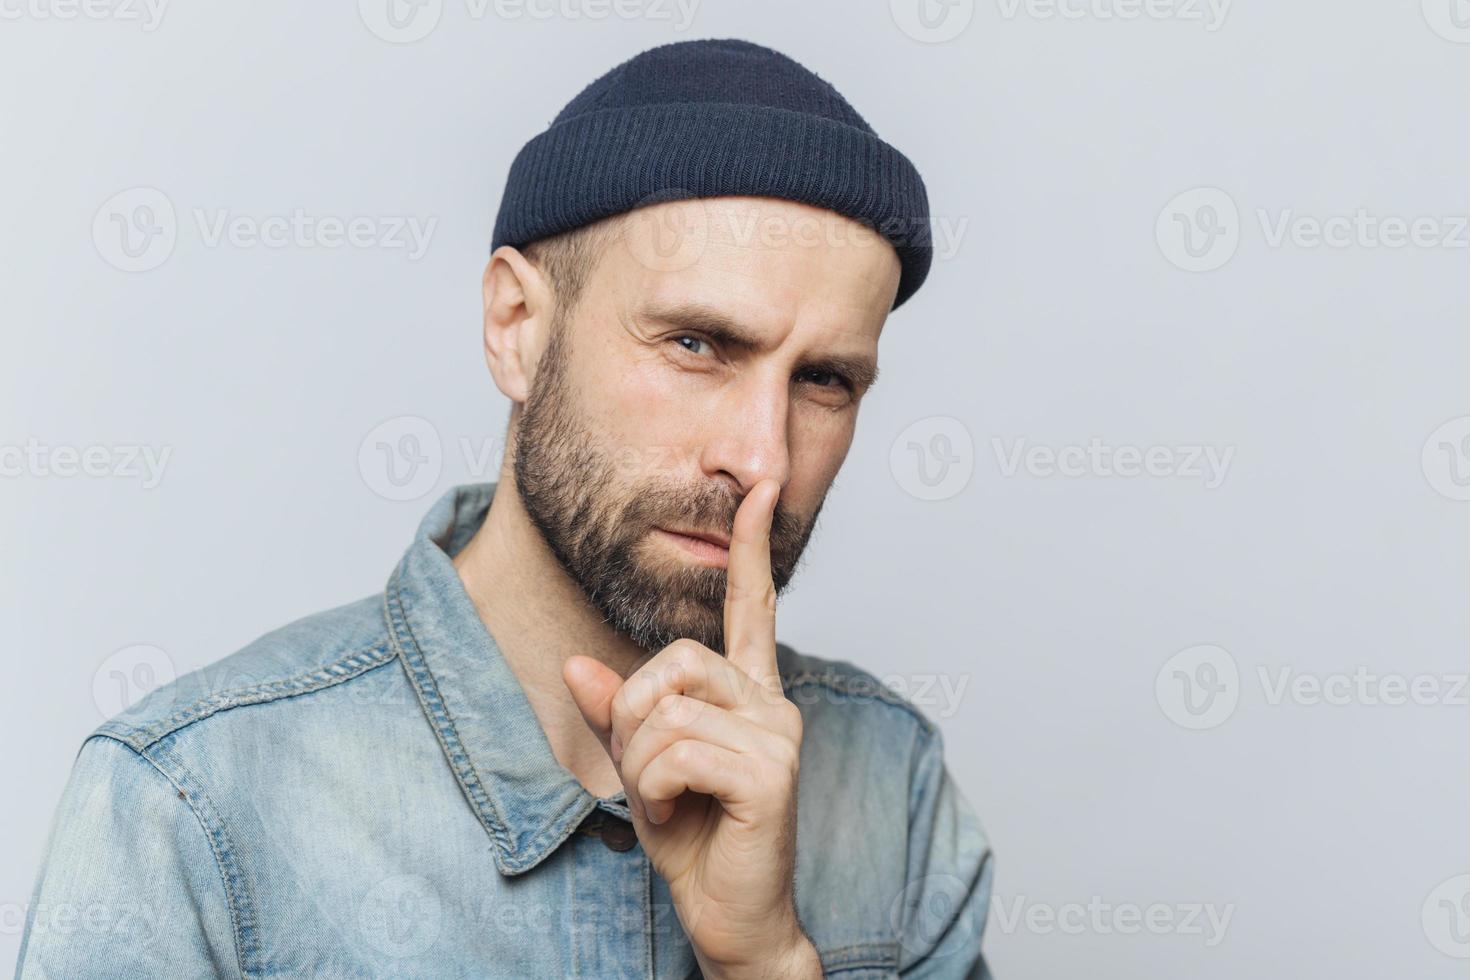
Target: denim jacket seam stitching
(242,914)
(931,750)
(553,837)
(443,725)
(648,924)
(987,858)
(308,682)
(860,956)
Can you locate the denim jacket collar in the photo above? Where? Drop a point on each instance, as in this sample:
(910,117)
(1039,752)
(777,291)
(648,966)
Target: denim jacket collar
(526,800)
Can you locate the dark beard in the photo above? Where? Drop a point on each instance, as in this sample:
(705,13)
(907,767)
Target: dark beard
(569,488)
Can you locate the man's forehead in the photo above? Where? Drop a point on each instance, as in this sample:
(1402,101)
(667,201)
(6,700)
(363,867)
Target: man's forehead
(784,254)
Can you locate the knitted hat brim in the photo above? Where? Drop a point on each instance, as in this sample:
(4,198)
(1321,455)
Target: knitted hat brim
(612,161)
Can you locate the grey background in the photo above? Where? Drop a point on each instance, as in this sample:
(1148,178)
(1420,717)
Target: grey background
(1048,604)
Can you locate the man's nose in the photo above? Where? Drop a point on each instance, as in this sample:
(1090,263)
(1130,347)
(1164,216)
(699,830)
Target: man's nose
(748,435)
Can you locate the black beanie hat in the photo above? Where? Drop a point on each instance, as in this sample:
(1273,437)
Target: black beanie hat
(707,119)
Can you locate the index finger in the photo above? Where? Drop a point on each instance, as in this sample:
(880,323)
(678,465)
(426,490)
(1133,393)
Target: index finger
(750,592)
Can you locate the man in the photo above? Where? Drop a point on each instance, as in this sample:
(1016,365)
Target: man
(564,741)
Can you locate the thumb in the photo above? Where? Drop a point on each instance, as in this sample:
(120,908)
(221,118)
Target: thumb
(593,685)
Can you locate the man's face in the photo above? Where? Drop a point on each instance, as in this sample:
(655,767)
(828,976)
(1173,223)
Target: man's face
(718,342)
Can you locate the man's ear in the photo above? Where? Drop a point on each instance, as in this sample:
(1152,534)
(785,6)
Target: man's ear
(518,309)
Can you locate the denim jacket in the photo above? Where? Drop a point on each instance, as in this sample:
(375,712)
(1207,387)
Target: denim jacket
(367,793)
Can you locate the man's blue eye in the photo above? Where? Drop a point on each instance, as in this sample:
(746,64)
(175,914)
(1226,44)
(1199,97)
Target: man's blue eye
(824,379)
(832,375)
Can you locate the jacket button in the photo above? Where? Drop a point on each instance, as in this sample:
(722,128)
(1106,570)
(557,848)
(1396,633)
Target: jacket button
(618,834)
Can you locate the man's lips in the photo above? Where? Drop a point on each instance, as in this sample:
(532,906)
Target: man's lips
(704,546)
(713,537)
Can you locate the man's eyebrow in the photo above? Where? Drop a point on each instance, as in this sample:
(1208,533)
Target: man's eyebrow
(719,327)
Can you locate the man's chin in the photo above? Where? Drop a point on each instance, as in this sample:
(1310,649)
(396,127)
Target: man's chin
(684,610)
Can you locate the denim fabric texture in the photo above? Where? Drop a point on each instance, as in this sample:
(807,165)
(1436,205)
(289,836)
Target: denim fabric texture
(366,792)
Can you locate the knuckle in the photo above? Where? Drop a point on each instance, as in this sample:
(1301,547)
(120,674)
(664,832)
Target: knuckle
(745,699)
(675,711)
(791,720)
(685,660)
(751,699)
(686,753)
(663,712)
(645,683)
(620,709)
(786,756)
(706,660)
(771,691)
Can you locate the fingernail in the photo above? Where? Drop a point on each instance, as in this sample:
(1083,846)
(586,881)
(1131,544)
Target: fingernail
(617,748)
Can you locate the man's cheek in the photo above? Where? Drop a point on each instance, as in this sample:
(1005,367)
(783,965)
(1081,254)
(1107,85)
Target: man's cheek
(655,425)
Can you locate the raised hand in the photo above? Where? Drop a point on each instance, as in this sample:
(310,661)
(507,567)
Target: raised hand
(708,749)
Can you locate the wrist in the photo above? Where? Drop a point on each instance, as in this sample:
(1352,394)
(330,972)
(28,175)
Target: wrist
(803,963)
(795,960)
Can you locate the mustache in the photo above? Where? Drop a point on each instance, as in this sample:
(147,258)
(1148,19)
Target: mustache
(710,509)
